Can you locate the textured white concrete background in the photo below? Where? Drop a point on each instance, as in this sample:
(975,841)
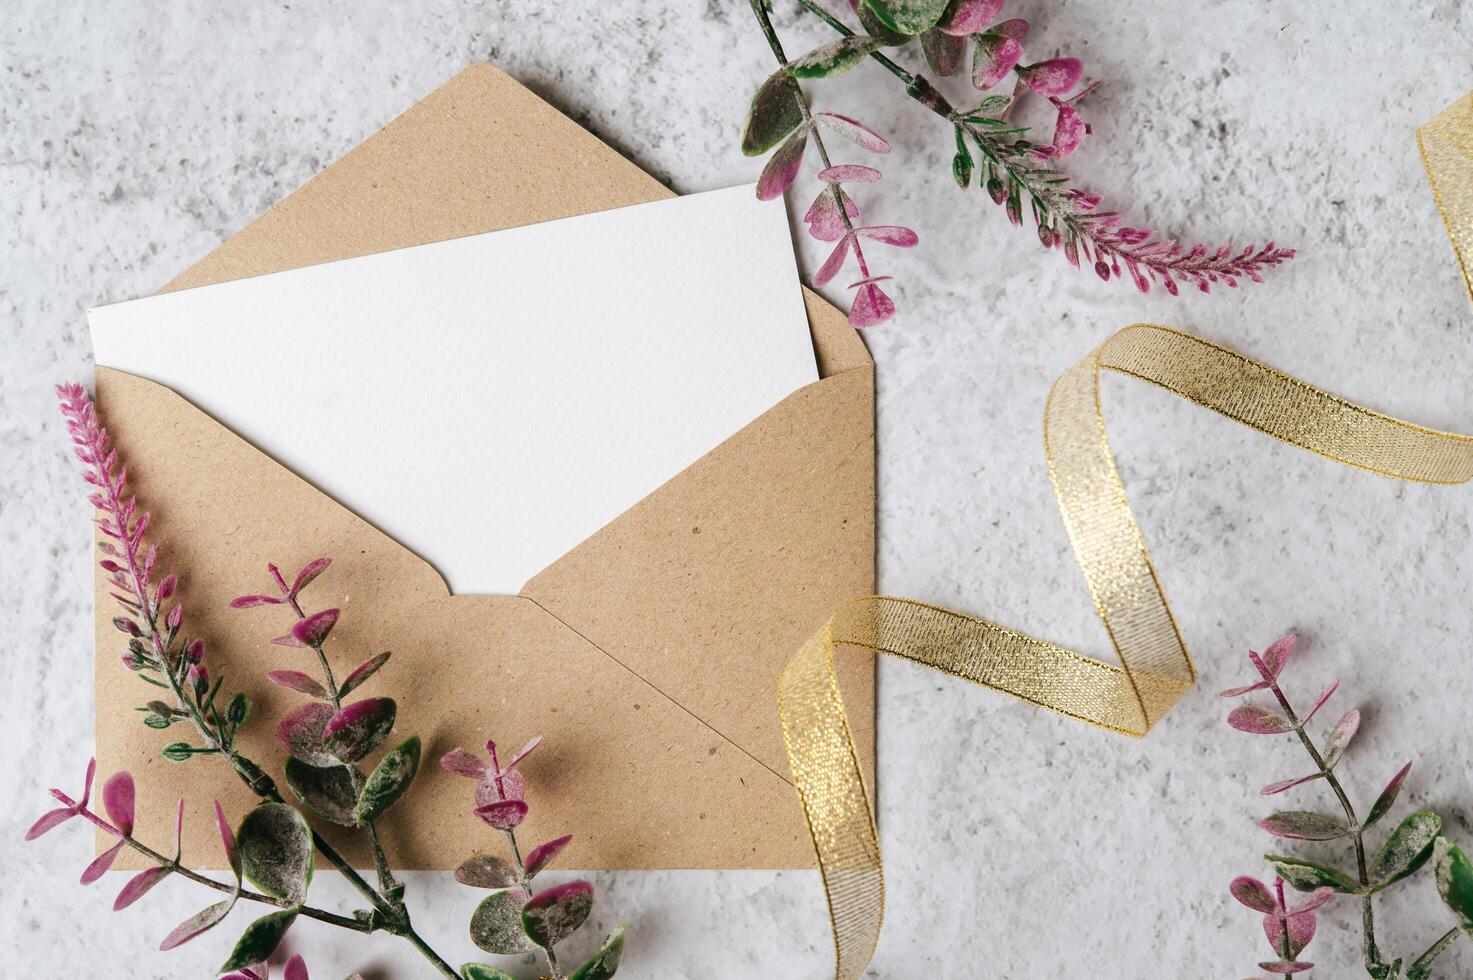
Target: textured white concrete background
(135,136)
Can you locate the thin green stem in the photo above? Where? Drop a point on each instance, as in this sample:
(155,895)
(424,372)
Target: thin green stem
(1357,836)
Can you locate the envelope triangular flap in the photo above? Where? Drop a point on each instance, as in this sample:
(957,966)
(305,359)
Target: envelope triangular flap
(683,773)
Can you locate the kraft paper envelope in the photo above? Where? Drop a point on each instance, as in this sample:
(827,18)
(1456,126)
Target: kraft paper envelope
(647,655)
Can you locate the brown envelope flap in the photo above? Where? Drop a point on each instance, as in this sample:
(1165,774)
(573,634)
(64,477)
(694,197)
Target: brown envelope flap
(709,584)
(479,153)
(638,780)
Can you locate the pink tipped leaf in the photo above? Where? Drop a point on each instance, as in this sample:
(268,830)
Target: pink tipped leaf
(314,629)
(1259,721)
(201,922)
(140,885)
(966,17)
(295,680)
(823,218)
(1273,789)
(251,601)
(1277,655)
(1253,893)
(854,130)
(50,820)
(296,969)
(897,235)
(362,673)
(1286,967)
(503,814)
(1340,737)
(1017,29)
(101,863)
(856,173)
(834,262)
(309,572)
(543,854)
(1292,932)
(227,840)
(288,641)
(463,763)
(871,306)
(1053,77)
(553,915)
(300,733)
(524,751)
(510,785)
(1303,825)
(1319,702)
(993,56)
(1388,796)
(1313,900)
(1069,131)
(783,166)
(117,799)
(358,729)
(1237,692)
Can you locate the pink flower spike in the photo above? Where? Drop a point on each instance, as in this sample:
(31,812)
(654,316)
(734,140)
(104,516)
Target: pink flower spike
(309,572)
(1237,692)
(296,968)
(227,839)
(195,651)
(1053,77)
(251,601)
(855,173)
(970,17)
(167,586)
(824,221)
(896,235)
(1319,703)
(871,307)
(313,630)
(783,166)
(140,885)
(462,763)
(101,863)
(50,820)
(1285,784)
(834,262)
(503,814)
(524,751)
(1069,131)
(855,131)
(995,55)
(117,799)
(1253,893)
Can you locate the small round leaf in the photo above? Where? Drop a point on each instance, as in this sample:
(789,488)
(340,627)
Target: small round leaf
(496,925)
(327,792)
(1406,850)
(259,940)
(358,729)
(486,871)
(554,914)
(276,851)
(300,733)
(389,780)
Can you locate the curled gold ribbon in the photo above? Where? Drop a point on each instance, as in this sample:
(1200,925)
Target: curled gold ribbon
(1155,669)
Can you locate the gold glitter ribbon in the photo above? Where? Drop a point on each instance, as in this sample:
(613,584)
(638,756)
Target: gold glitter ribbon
(1155,669)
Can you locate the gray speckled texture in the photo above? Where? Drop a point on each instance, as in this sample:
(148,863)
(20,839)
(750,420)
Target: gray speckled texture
(135,136)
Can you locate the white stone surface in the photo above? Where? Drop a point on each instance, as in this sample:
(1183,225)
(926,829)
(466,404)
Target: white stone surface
(135,136)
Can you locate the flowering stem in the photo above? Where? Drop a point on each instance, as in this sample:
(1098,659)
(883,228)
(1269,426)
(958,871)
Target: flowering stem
(320,915)
(1368,925)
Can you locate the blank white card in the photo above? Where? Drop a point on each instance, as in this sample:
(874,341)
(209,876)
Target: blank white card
(491,401)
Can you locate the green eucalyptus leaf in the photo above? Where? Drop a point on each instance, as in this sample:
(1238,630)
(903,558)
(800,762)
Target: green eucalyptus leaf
(553,914)
(1454,874)
(157,721)
(486,871)
(776,111)
(358,729)
(238,710)
(1406,850)
(835,57)
(1306,876)
(907,16)
(1421,968)
(606,961)
(276,851)
(259,940)
(178,751)
(480,971)
(326,792)
(389,780)
(496,925)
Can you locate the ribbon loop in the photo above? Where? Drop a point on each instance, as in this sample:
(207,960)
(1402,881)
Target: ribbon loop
(1155,669)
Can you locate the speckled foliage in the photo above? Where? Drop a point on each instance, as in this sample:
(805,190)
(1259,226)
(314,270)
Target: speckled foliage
(136,136)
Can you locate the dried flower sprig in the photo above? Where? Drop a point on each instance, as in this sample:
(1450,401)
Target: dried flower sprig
(515,919)
(1009,166)
(1413,843)
(274,846)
